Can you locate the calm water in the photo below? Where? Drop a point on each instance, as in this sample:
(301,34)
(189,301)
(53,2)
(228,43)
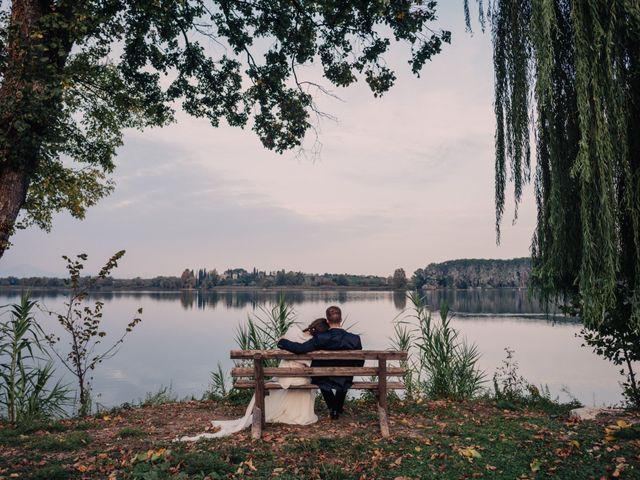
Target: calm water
(184,335)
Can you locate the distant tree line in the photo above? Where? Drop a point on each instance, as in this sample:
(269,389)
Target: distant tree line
(466,273)
(206,279)
(474,273)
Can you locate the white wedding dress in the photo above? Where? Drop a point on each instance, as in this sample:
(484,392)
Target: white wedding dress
(294,407)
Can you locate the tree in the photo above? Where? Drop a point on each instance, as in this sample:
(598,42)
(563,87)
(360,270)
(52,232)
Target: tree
(570,71)
(399,280)
(188,279)
(82,323)
(418,279)
(75,73)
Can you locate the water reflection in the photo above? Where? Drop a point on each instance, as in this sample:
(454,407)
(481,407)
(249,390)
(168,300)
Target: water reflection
(473,301)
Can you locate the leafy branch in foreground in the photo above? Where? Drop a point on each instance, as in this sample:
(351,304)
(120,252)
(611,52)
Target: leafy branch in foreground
(82,322)
(26,369)
(74,74)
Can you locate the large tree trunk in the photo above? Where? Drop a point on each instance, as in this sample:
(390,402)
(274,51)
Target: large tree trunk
(14,184)
(25,99)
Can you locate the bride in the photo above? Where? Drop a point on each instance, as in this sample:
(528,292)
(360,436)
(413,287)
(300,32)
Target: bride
(281,406)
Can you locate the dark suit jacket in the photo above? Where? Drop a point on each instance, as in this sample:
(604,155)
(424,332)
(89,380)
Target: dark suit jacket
(333,339)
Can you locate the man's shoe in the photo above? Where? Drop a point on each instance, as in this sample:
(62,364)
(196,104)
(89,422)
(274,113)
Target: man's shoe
(334,414)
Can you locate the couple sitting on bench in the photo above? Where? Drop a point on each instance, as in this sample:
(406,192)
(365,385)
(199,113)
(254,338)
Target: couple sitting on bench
(296,406)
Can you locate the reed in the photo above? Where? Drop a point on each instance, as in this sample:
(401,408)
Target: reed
(441,364)
(27,391)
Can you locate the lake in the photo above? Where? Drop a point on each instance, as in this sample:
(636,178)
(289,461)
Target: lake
(184,335)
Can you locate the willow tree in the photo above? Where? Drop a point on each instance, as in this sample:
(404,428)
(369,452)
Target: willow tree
(569,72)
(75,73)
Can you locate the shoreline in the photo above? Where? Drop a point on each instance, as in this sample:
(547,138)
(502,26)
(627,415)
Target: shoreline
(241,288)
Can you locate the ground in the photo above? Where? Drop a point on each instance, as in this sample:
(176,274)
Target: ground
(429,440)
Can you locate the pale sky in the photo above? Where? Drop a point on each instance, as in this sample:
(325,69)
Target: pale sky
(401,181)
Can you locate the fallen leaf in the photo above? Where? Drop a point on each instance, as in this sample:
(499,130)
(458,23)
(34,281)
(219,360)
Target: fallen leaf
(535,465)
(469,452)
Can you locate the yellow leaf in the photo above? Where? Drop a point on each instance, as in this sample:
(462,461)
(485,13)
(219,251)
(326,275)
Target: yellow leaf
(418,449)
(535,465)
(469,452)
(81,468)
(575,443)
(249,463)
(609,438)
(623,424)
(106,418)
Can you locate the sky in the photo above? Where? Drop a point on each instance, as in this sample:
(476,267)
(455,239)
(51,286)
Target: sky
(399,182)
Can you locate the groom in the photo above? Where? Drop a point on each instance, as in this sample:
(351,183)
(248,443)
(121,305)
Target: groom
(333,389)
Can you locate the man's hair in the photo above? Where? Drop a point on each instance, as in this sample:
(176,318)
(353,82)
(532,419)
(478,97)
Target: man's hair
(334,315)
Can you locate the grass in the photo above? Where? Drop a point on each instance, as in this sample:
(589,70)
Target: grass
(55,443)
(131,432)
(441,439)
(50,472)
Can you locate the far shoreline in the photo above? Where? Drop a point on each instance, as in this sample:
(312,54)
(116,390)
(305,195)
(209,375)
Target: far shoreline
(242,288)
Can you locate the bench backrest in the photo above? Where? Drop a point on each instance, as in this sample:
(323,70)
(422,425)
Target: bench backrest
(319,354)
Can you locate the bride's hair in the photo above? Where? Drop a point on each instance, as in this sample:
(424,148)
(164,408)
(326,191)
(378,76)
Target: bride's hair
(319,325)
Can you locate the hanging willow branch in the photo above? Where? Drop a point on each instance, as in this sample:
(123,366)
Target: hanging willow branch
(569,72)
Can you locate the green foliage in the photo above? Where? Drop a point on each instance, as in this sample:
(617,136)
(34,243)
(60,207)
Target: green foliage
(50,472)
(474,272)
(264,328)
(55,443)
(511,390)
(161,396)
(218,386)
(403,340)
(27,391)
(572,71)
(261,332)
(399,279)
(622,347)
(508,384)
(82,323)
(206,463)
(82,72)
(129,432)
(441,364)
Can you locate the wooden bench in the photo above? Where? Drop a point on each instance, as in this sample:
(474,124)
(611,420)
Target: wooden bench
(256,377)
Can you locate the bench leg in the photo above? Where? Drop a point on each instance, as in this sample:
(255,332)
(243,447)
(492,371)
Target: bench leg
(256,424)
(383,411)
(384,420)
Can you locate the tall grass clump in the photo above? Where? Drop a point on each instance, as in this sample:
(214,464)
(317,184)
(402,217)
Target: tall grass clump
(261,331)
(264,328)
(441,364)
(27,391)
